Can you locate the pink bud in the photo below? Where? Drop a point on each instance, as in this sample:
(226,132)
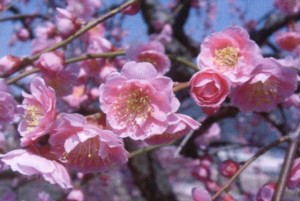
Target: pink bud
(133,9)
(9,64)
(228,168)
(266,192)
(200,194)
(51,62)
(67,23)
(22,34)
(75,195)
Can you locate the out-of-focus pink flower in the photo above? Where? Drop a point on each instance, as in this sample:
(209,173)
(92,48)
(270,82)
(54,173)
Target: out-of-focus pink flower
(209,88)
(8,108)
(39,111)
(133,9)
(44,196)
(266,192)
(83,8)
(294,177)
(269,83)
(289,7)
(213,133)
(228,168)
(293,100)
(202,173)
(230,51)
(138,101)
(165,36)
(9,64)
(75,195)
(288,40)
(51,62)
(3,85)
(28,163)
(85,147)
(67,24)
(152,52)
(63,81)
(78,96)
(200,194)
(45,37)
(23,34)
(179,125)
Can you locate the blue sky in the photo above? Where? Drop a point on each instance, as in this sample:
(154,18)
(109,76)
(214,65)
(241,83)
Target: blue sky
(255,9)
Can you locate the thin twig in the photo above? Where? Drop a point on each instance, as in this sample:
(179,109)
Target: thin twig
(147,149)
(253,158)
(287,165)
(181,86)
(84,29)
(22,75)
(23,16)
(184,61)
(69,61)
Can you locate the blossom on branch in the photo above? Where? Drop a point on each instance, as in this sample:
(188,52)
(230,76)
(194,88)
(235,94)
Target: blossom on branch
(40,111)
(28,163)
(209,88)
(85,147)
(230,51)
(269,83)
(137,101)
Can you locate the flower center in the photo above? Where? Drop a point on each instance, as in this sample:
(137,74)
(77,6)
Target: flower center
(33,115)
(132,106)
(226,57)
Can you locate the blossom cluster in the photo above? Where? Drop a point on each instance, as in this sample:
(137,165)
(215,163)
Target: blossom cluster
(232,66)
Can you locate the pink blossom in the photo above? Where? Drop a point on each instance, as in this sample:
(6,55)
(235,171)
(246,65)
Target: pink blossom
(63,81)
(9,64)
(230,51)
(228,168)
(288,6)
(165,36)
(67,24)
(152,52)
(179,125)
(45,37)
(266,192)
(85,147)
(3,85)
(288,40)
(212,134)
(137,101)
(209,88)
(28,163)
(294,177)
(51,62)
(200,194)
(293,100)
(23,34)
(83,8)
(39,111)
(75,195)
(8,108)
(77,97)
(269,83)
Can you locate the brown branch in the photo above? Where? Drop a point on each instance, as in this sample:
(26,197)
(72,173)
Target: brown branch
(253,158)
(261,36)
(23,17)
(149,176)
(287,166)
